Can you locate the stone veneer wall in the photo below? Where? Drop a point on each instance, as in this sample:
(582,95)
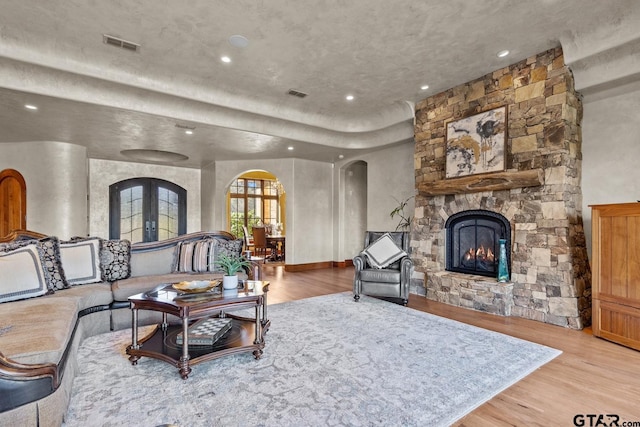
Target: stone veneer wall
(550,271)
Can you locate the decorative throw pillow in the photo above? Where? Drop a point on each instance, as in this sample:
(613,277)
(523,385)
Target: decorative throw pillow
(21,274)
(115,257)
(50,252)
(194,257)
(227,247)
(383,252)
(81,260)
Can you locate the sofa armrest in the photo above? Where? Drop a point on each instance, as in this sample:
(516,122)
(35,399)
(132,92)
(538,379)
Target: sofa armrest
(406,266)
(21,384)
(359,262)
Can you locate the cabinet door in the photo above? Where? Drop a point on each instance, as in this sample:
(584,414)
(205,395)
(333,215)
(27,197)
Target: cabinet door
(618,259)
(616,273)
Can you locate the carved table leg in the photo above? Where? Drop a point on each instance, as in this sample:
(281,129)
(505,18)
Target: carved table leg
(134,336)
(258,339)
(264,310)
(185,370)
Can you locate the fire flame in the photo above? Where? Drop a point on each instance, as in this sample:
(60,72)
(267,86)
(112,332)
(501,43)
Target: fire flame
(481,254)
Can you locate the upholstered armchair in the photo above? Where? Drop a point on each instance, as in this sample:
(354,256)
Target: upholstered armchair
(375,275)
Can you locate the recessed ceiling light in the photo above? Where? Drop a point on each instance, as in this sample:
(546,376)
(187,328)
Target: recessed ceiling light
(238,41)
(349,97)
(30,107)
(502,53)
(225,59)
(188,132)
(424,87)
(290,148)
(341,156)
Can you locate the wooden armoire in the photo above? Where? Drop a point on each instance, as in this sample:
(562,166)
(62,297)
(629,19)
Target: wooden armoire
(615,265)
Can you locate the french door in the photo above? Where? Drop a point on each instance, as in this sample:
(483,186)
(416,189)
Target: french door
(146,210)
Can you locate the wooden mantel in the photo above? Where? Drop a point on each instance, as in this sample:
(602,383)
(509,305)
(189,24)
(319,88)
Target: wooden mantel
(487,182)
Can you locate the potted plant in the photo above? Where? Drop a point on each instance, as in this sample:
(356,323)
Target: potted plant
(231,264)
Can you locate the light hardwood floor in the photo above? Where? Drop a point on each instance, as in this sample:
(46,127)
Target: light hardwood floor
(591,376)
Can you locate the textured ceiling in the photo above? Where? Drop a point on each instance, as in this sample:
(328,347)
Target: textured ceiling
(108,99)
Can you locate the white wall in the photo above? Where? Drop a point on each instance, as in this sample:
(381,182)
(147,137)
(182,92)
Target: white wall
(61,177)
(312,212)
(209,196)
(103,173)
(611,151)
(355,209)
(309,218)
(56,179)
(390,174)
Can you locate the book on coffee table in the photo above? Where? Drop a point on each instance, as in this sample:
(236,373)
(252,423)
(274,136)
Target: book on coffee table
(206,331)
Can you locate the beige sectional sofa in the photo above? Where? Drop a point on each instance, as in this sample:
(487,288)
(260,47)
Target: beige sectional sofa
(40,335)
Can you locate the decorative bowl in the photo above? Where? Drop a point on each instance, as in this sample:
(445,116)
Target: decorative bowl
(196,286)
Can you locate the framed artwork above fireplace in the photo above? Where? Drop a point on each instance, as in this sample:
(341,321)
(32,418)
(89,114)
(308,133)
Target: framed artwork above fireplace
(476,144)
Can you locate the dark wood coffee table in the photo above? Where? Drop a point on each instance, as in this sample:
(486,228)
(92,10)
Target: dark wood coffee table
(246,334)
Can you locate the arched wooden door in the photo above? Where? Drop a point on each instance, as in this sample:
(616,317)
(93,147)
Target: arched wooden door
(13,202)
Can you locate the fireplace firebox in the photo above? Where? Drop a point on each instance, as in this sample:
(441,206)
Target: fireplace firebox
(473,242)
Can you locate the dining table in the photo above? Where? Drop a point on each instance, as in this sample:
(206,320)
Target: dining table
(277,242)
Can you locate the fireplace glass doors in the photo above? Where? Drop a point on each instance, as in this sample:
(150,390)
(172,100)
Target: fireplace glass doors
(473,242)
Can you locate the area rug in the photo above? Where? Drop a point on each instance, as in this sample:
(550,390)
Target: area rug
(328,361)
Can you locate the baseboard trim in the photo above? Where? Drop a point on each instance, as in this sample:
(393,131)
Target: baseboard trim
(343,264)
(310,266)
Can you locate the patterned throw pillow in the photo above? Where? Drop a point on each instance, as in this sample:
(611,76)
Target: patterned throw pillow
(21,273)
(227,247)
(81,260)
(383,252)
(115,257)
(199,256)
(49,248)
(194,257)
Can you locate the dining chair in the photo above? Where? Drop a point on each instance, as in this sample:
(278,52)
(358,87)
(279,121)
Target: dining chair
(248,240)
(260,241)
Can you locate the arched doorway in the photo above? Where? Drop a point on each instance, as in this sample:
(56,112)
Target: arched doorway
(257,198)
(13,201)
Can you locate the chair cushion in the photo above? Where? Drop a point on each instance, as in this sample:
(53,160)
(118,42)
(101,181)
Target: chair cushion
(37,330)
(90,295)
(380,275)
(155,261)
(383,252)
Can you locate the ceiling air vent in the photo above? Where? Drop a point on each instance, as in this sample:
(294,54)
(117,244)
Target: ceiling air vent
(297,93)
(121,43)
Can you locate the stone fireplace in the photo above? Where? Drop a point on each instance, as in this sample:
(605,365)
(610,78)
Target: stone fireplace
(472,242)
(535,202)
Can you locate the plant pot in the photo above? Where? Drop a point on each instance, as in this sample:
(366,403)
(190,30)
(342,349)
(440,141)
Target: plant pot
(230,282)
